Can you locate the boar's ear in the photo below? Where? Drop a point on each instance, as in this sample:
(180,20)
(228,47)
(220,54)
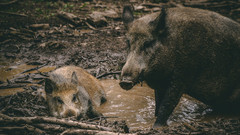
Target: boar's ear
(74,78)
(158,25)
(127,15)
(49,86)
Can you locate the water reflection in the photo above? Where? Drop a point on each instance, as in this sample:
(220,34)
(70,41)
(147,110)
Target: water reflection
(189,109)
(137,106)
(9,71)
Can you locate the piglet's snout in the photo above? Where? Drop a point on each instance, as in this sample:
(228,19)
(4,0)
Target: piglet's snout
(70,113)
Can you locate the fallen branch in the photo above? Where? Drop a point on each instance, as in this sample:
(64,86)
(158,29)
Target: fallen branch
(106,74)
(47,127)
(5,41)
(11,86)
(13,14)
(51,120)
(69,17)
(152,5)
(189,126)
(35,68)
(21,81)
(8,3)
(90,26)
(27,128)
(101,117)
(90,132)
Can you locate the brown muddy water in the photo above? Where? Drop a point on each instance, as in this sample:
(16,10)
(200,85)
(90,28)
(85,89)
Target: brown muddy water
(10,70)
(135,106)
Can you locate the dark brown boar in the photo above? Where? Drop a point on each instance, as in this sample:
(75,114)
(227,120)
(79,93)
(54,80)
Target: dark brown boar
(184,50)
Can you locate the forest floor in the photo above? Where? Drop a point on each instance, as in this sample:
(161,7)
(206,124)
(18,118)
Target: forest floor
(88,34)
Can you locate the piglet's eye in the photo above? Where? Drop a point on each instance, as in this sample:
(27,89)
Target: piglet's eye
(74,99)
(58,100)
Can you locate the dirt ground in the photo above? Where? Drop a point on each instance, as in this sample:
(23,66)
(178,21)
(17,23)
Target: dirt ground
(69,33)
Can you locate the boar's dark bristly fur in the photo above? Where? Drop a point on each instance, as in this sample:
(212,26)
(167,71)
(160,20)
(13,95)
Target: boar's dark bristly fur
(184,50)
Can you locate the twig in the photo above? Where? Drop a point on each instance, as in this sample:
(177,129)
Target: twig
(11,86)
(189,126)
(8,3)
(5,41)
(26,127)
(69,17)
(51,127)
(104,117)
(35,68)
(4,116)
(22,81)
(110,73)
(90,132)
(90,26)
(14,14)
(153,5)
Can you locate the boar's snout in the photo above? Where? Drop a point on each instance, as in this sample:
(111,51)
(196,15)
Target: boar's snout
(126,83)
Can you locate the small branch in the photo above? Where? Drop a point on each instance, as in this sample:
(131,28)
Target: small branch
(153,5)
(90,132)
(48,127)
(4,116)
(22,81)
(11,86)
(69,17)
(8,3)
(189,126)
(5,41)
(90,26)
(106,74)
(13,14)
(101,117)
(22,128)
(35,68)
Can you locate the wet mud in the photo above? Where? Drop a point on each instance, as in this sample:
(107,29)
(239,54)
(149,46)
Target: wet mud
(27,55)
(137,106)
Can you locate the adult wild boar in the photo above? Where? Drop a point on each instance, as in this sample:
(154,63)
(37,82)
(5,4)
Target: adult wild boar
(71,91)
(184,50)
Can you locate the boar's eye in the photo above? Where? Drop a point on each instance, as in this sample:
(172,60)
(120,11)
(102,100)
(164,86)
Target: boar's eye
(148,44)
(128,44)
(58,100)
(74,99)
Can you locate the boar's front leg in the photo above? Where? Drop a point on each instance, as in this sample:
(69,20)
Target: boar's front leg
(159,94)
(167,105)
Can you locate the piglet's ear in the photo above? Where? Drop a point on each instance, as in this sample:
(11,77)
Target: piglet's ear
(127,15)
(84,98)
(49,86)
(74,78)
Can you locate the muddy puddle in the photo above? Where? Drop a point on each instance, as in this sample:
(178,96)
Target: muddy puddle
(135,106)
(9,71)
